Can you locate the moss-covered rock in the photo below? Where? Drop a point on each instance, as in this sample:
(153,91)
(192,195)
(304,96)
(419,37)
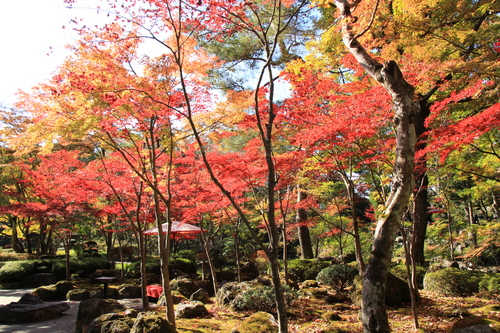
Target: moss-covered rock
(452,282)
(184,286)
(112,322)
(462,324)
(90,309)
(150,322)
(129,291)
(193,309)
(259,322)
(397,291)
(78,295)
(331,316)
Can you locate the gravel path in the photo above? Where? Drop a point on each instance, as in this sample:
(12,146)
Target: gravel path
(64,324)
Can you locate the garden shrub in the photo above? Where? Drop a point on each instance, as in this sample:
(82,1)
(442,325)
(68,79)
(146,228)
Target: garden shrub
(400,272)
(16,271)
(490,283)
(154,266)
(151,267)
(337,276)
(187,254)
(85,267)
(260,298)
(306,269)
(183,265)
(452,282)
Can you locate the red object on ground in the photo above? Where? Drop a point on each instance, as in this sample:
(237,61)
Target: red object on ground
(154,291)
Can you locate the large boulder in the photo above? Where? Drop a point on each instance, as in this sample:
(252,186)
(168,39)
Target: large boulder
(200,295)
(151,323)
(90,309)
(129,291)
(31,308)
(113,322)
(397,291)
(53,292)
(177,298)
(191,310)
(261,322)
(249,271)
(475,324)
(77,295)
(184,286)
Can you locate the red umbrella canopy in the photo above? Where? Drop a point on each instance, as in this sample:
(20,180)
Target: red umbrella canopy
(178,230)
(434,210)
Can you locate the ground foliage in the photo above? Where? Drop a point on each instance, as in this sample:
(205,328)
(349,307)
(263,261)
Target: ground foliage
(305,315)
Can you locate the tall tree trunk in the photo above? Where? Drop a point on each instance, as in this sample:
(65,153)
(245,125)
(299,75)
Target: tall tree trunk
(349,184)
(144,273)
(374,314)
(16,244)
(306,250)
(470,214)
(420,197)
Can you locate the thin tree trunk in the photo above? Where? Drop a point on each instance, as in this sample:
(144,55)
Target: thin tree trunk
(15,242)
(306,251)
(144,273)
(204,242)
(374,314)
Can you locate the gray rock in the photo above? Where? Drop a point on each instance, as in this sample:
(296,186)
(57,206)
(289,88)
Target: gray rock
(476,329)
(200,295)
(191,310)
(184,286)
(30,299)
(31,311)
(90,309)
(129,291)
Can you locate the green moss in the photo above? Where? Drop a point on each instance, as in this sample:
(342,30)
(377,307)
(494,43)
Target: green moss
(305,269)
(259,322)
(337,276)
(452,282)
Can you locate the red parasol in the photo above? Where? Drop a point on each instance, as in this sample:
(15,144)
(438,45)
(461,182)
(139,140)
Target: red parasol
(179,230)
(433,210)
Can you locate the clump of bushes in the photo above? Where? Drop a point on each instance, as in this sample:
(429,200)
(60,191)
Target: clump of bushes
(84,267)
(154,266)
(453,282)
(248,296)
(305,269)
(400,272)
(490,283)
(183,265)
(337,276)
(16,271)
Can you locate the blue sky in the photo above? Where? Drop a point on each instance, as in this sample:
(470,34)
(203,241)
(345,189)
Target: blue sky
(32,41)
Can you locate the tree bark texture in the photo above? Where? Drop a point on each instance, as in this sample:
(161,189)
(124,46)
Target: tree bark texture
(420,197)
(306,251)
(374,314)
